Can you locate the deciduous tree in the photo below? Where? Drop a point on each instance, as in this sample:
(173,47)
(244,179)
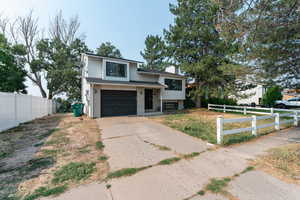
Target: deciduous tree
(12,74)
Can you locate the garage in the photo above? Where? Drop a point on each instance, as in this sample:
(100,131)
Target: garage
(118,103)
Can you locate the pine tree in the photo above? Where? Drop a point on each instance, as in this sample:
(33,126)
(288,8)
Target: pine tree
(154,52)
(108,49)
(273,41)
(196,45)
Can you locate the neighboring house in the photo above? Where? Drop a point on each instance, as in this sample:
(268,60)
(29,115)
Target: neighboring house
(253,96)
(116,87)
(290,93)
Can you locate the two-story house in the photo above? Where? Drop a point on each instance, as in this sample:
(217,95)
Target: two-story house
(117,86)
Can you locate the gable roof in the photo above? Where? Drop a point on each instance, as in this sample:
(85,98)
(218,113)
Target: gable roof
(123,59)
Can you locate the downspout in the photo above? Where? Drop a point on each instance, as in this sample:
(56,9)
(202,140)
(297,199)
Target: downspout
(92,100)
(161,104)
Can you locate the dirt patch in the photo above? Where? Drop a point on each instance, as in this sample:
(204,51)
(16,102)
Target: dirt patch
(43,147)
(282,162)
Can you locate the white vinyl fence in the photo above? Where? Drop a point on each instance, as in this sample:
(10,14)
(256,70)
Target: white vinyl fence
(269,113)
(19,108)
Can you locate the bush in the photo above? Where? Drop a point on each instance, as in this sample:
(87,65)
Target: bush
(214,100)
(64,106)
(272,94)
(190,103)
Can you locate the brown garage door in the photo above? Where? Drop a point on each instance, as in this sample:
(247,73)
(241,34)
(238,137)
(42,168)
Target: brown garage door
(118,103)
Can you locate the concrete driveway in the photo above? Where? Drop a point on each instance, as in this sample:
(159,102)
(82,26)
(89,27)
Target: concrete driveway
(136,142)
(132,142)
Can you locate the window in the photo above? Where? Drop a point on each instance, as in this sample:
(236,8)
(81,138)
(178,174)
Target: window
(173,84)
(116,69)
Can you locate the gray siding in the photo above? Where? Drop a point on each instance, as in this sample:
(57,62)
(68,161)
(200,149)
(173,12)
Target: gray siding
(134,76)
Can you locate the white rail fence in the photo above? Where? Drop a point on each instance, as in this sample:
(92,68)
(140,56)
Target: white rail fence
(19,108)
(254,126)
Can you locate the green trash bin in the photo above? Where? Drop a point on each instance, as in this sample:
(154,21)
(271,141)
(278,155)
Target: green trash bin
(77,109)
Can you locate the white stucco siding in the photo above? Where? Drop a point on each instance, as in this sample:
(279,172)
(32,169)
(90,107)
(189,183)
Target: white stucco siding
(135,76)
(253,95)
(94,68)
(172,94)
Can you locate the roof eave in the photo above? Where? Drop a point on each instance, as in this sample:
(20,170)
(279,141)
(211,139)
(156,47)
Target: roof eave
(162,74)
(131,85)
(105,57)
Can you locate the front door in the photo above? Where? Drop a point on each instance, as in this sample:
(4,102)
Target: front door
(148,99)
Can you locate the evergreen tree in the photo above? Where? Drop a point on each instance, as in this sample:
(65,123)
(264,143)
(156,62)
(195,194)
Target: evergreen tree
(154,52)
(273,41)
(197,47)
(108,49)
(272,94)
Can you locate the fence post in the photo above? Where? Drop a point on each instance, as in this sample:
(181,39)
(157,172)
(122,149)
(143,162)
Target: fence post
(295,118)
(208,106)
(272,111)
(253,123)
(245,110)
(277,121)
(219,129)
(224,108)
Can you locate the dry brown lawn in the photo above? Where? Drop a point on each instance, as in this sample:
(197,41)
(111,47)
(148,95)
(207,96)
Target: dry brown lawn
(34,151)
(282,162)
(74,141)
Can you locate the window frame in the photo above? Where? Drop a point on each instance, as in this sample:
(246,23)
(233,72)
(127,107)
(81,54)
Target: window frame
(116,78)
(172,89)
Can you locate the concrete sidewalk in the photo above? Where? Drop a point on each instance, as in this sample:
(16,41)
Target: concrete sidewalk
(134,142)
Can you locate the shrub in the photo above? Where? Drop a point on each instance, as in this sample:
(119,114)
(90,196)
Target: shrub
(272,94)
(64,106)
(220,101)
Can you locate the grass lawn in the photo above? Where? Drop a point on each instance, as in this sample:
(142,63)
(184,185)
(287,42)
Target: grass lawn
(201,123)
(65,153)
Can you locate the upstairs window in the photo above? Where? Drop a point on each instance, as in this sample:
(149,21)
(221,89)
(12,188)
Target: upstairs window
(116,69)
(173,84)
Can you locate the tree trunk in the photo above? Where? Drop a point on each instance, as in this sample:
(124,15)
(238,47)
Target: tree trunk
(198,101)
(43,93)
(50,96)
(198,97)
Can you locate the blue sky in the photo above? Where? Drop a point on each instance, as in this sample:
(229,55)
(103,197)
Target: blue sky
(125,23)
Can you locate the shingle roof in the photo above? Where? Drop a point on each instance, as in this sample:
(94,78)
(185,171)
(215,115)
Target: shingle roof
(132,83)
